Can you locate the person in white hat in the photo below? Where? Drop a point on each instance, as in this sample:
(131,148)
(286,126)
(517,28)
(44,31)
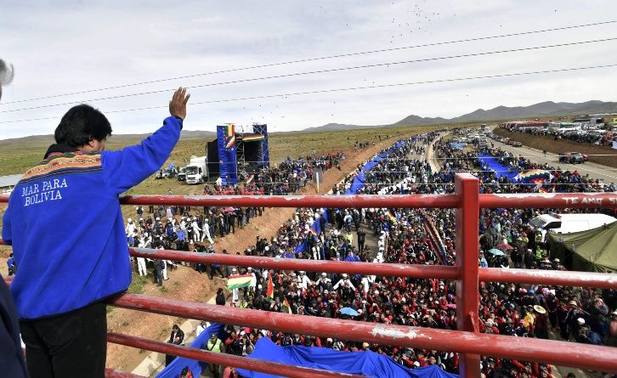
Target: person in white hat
(196,230)
(130,229)
(235,293)
(253,284)
(303,280)
(205,227)
(323,281)
(344,281)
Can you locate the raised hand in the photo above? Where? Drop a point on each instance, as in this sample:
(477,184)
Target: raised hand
(177,105)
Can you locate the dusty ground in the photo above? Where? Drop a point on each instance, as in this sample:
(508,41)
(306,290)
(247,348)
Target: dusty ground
(189,285)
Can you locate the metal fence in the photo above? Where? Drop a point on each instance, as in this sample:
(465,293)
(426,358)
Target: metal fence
(466,340)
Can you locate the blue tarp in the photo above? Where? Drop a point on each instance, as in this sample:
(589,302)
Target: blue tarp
(360,179)
(174,369)
(491,163)
(369,363)
(356,185)
(316,227)
(228,158)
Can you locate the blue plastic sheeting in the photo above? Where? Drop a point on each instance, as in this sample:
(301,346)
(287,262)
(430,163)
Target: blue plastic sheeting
(360,179)
(316,227)
(368,363)
(491,163)
(174,369)
(356,186)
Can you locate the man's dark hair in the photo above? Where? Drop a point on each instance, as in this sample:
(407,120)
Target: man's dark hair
(80,125)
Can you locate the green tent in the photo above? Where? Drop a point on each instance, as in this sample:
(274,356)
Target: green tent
(592,250)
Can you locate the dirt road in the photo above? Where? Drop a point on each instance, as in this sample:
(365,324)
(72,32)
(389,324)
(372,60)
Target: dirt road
(594,170)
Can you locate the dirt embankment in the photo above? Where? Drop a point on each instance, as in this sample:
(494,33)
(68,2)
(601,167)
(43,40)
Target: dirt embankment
(187,284)
(557,146)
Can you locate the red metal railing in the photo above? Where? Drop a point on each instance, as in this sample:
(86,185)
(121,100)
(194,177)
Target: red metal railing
(467,340)
(560,352)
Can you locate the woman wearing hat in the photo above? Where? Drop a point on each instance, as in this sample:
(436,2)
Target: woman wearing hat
(541,322)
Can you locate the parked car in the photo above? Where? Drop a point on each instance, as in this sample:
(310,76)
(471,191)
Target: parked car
(516,143)
(572,158)
(181,174)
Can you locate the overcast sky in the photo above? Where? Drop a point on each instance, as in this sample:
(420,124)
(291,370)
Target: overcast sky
(60,47)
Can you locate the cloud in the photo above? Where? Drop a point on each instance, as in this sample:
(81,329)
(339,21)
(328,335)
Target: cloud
(61,46)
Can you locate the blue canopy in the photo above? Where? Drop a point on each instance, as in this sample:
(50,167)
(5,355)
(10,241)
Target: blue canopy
(358,182)
(491,163)
(369,363)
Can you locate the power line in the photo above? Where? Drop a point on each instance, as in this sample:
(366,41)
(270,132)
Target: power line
(349,89)
(351,54)
(328,70)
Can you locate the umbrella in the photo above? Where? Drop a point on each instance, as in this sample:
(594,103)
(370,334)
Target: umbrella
(504,247)
(229,209)
(349,311)
(496,252)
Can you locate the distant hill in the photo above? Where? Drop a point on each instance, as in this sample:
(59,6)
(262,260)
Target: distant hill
(32,140)
(333,127)
(417,120)
(190,134)
(542,109)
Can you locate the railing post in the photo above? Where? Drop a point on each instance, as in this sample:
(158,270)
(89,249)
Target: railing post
(467,246)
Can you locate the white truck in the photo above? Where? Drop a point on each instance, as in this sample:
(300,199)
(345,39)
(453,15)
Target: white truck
(568,223)
(197,170)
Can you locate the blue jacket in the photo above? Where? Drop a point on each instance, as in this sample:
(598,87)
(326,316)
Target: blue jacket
(65,224)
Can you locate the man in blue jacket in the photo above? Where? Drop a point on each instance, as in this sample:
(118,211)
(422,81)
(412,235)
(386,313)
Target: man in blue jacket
(65,225)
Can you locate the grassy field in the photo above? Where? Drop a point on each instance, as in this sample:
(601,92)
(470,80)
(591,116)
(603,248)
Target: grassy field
(559,146)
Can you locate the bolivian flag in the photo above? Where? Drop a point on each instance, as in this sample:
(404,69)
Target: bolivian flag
(286,307)
(230,135)
(239,281)
(270,288)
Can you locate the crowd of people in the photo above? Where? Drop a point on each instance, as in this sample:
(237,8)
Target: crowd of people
(288,177)
(185,229)
(559,180)
(582,315)
(597,137)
